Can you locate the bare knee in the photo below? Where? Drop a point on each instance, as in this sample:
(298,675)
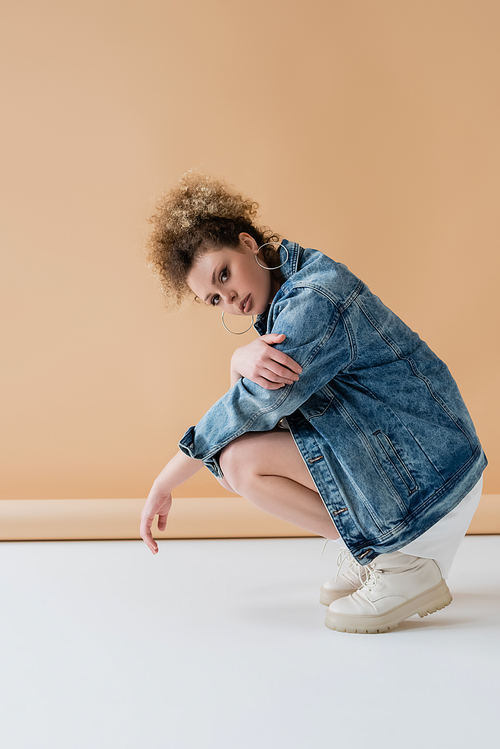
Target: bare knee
(235,464)
(223,482)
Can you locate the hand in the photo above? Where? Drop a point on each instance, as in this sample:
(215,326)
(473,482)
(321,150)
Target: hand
(158,503)
(265,365)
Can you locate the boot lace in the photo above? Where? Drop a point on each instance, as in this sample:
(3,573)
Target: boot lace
(371,580)
(345,555)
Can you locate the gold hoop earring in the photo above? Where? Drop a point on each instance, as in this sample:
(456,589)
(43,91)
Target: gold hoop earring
(265,266)
(232,331)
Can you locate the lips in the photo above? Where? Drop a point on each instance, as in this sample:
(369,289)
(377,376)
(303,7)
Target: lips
(244,303)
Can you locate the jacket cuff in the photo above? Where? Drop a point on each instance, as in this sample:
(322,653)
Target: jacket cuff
(186,445)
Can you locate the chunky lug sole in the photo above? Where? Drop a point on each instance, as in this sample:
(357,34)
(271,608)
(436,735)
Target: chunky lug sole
(328,596)
(426,603)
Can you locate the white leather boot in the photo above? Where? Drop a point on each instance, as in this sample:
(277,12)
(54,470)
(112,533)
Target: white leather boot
(397,586)
(346,583)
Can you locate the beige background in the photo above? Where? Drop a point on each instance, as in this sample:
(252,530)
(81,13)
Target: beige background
(365,128)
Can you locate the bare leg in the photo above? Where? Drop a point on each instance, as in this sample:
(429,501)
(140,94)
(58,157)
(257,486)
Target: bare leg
(267,469)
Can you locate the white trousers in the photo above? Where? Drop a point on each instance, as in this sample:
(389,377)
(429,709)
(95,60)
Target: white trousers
(441,542)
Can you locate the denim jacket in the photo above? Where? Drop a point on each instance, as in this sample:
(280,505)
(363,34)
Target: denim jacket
(376,415)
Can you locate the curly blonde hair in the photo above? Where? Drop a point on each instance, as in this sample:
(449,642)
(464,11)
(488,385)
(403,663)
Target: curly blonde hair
(199,214)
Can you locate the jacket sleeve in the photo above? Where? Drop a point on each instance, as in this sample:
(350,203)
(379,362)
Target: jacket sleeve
(316,338)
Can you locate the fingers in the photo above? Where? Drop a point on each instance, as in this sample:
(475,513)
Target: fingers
(162,521)
(146,535)
(276,372)
(281,374)
(272,381)
(286,361)
(279,356)
(271,338)
(268,385)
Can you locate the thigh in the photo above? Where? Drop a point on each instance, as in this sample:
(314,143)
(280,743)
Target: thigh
(272,453)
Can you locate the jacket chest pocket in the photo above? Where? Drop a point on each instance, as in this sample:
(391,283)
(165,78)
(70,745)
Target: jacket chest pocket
(394,466)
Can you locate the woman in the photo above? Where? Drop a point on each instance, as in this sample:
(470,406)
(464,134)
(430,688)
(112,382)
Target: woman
(340,419)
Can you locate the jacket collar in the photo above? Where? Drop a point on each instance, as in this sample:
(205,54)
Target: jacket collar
(289,256)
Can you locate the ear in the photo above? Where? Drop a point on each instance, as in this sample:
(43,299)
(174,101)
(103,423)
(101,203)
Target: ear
(248,242)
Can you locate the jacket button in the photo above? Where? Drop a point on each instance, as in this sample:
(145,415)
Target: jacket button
(365,553)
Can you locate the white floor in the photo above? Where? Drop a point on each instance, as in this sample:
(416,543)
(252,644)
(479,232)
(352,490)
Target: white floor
(223,644)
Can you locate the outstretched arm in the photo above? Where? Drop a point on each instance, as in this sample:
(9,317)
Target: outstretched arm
(159,501)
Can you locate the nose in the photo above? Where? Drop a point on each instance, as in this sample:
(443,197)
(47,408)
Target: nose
(229,296)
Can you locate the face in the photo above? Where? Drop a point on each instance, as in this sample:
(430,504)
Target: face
(232,281)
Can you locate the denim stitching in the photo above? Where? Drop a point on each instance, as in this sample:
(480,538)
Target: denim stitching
(366,442)
(410,487)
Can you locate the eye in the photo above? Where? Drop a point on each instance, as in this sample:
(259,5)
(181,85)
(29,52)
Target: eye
(223,276)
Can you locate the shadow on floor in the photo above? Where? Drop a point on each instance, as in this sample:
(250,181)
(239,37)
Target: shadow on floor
(466,610)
